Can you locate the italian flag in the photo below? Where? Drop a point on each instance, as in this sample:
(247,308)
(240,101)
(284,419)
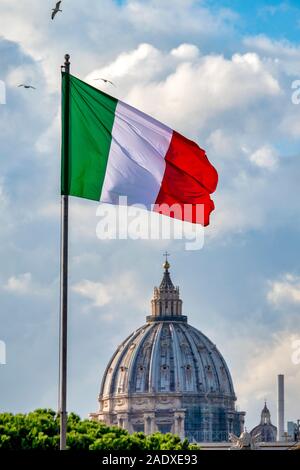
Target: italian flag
(111,149)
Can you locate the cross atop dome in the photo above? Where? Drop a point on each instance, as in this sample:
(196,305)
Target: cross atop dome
(166,283)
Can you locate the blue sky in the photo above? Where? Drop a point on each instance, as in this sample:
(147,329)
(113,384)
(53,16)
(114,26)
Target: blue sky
(277,19)
(221,73)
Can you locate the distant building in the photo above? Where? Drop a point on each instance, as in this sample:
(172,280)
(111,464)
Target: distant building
(168,376)
(266,430)
(293,430)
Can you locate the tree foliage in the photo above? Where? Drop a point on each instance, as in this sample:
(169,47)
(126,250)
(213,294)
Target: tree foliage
(40,430)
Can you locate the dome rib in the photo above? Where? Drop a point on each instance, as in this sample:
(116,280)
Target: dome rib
(104,384)
(111,361)
(189,383)
(213,359)
(203,356)
(123,376)
(153,383)
(209,362)
(110,387)
(195,356)
(138,353)
(228,376)
(177,355)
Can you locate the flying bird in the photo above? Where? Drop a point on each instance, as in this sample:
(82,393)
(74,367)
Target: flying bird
(56,10)
(26,86)
(105,81)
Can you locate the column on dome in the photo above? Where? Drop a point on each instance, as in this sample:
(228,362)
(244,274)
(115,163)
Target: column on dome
(123,421)
(149,423)
(120,421)
(179,418)
(230,418)
(206,427)
(210,425)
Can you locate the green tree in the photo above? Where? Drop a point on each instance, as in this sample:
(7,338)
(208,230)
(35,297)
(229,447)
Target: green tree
(40,430)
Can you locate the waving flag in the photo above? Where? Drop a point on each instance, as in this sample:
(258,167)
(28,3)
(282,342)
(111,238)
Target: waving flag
(116,150)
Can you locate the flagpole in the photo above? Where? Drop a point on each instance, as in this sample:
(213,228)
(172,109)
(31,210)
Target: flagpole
(64,269)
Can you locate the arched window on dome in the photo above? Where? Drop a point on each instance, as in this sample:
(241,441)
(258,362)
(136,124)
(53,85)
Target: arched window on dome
(140,378)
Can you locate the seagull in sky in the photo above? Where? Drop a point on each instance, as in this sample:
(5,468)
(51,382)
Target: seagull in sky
(56,10)
(105,81)
(26,86)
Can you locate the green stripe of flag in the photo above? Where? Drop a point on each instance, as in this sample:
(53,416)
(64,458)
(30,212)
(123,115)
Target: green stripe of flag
(91,119)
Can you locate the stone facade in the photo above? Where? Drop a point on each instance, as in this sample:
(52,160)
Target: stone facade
(167,376)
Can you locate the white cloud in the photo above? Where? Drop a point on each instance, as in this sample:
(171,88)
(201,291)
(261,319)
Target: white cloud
(185,16)
(237,209)
(223,143)
(124,288)
(179,83)
(284,291)
(272,47)
(290,125)
(136,66)
(25,74)
(82,32)
(24,284)
(265,157)
(44,143)
(20,284)
(185,52)
(99,293)
(285,55)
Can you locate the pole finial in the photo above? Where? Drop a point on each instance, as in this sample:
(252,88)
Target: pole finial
(166,264)
(67,63)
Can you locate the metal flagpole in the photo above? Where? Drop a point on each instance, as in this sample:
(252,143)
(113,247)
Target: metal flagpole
(64,268)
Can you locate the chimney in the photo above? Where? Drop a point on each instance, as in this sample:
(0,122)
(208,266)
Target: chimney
(280,409)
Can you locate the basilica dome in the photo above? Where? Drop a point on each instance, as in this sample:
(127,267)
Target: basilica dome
(265,431)
(167,357)
(168,376)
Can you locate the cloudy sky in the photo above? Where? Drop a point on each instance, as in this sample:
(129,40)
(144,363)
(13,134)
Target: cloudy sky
(220,72)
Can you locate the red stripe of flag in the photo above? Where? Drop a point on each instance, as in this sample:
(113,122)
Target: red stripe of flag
(189,179)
